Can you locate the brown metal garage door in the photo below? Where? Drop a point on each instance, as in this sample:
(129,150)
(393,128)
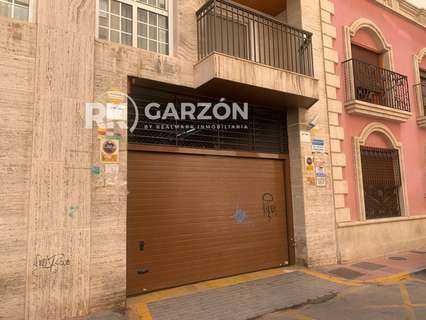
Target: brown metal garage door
(199,217)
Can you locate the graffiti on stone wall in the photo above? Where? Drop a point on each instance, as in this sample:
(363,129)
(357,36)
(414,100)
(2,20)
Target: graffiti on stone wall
(50,263)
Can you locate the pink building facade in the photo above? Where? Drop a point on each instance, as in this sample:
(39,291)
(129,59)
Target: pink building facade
(381,47)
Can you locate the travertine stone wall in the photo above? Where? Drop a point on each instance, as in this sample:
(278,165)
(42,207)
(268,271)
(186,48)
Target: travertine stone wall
(313,207)
(54,209)
(114,64)
(17,62)
(59,214)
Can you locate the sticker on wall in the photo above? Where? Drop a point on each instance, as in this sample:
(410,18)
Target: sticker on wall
(102,132)
(110,149)
(320,176)
(112,174)
(305,136)
(310,170)
(116,112)
(309,164)
(318,145)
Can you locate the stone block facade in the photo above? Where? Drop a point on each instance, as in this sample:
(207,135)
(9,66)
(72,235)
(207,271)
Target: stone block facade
(55,208)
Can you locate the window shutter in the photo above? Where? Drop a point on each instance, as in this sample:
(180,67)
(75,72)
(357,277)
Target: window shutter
(380,166)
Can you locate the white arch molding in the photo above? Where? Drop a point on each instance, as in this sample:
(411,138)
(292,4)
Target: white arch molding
(417,59)
(363,23)
(359,141)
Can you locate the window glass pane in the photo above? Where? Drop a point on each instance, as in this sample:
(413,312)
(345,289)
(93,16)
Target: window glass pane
(162,35)
(104,20)
(115,22)
(153,33)
(163,48)
(153,46)
(115,7)
(24,3)
(126,25)
(103,33)
(162,22)
(116,26)
(115,36)
(104,5)
(5,9)
(143,1)
(162,4)
(126,39)
(152,3)
(142,29)
(21,13)
(143,15)
(153,19)
(142,43)
(103,14)
(126,11)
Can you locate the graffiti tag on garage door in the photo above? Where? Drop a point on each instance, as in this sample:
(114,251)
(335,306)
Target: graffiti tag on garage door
(269,208)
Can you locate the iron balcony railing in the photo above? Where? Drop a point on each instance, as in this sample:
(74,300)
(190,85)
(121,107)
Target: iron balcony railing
(233,29)
(376,85)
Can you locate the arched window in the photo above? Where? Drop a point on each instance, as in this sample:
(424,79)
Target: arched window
(368,41)
(420,85)
(380,173)
(372,86)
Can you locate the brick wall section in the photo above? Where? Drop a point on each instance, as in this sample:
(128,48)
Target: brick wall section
(335,109)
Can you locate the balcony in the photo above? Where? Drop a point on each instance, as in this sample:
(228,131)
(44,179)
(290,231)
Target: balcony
(421,96)
(250,55)
(376,92)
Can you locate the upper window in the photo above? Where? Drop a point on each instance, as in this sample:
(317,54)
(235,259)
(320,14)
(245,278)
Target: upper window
(367,56)
(18,9)
(142,23)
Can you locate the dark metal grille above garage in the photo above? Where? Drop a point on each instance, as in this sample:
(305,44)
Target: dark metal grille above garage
(264,131)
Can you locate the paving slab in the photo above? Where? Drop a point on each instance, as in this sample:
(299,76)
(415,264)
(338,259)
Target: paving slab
(417,292)
(248,300)
(403,262)
(401,301)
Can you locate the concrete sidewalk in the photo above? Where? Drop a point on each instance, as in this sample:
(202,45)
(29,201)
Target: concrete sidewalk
(387,266)
(403,300)
(392,287)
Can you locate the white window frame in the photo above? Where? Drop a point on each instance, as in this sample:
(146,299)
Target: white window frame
(168,12)
(31,11)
